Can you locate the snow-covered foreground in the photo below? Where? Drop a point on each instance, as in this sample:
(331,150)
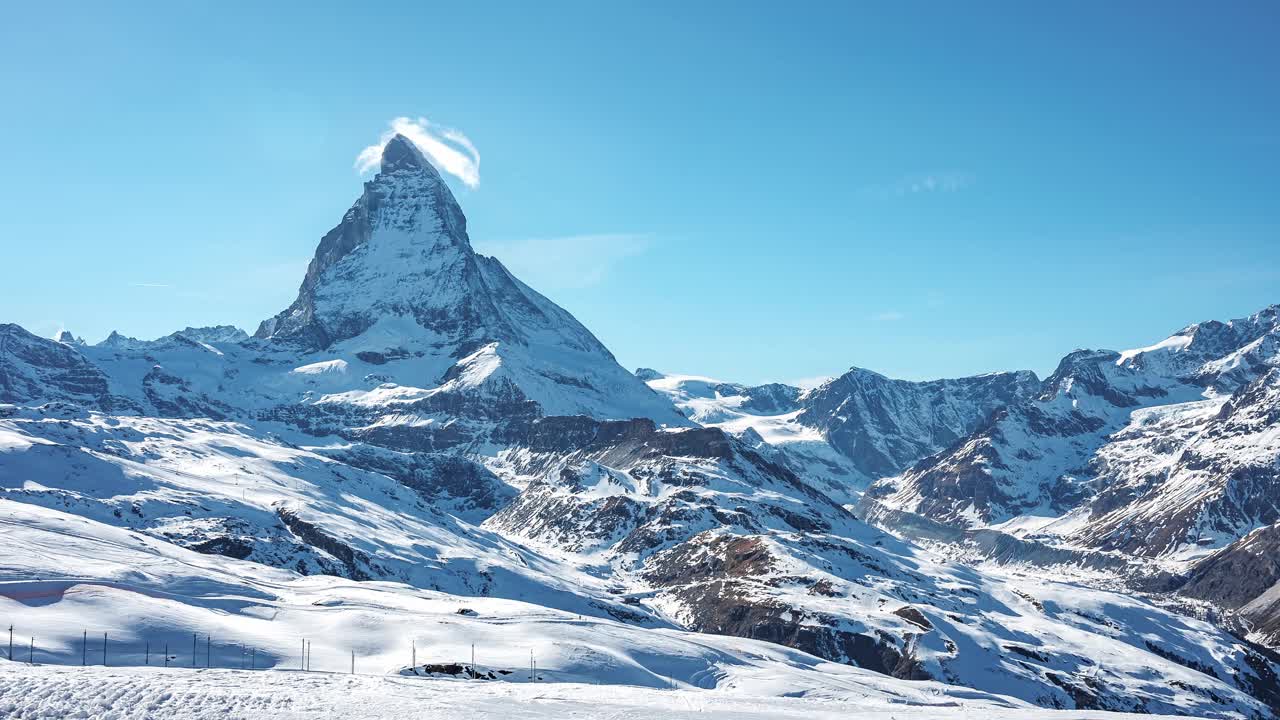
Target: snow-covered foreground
(68,580)
(125,693)
(93,510)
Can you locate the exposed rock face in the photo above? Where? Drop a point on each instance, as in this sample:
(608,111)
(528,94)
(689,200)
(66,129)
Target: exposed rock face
(1198,474)
(1244,577)
(885,425)
(449,482)
(1239,573)
(36,370)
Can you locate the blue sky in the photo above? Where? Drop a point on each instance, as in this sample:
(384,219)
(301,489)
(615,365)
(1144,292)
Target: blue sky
(752,191)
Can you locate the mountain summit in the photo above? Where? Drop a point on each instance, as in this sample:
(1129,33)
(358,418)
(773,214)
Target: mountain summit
(401,154)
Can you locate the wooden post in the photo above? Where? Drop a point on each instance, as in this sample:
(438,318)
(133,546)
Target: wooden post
(84,648)
(104,649)
(193,649)
(166,654)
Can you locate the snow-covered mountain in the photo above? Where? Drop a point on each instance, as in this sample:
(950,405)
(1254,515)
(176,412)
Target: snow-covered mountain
(885,425)
(852,429)
(35,370)
(401,335)
(396,291)
(421,432)
(1114,442)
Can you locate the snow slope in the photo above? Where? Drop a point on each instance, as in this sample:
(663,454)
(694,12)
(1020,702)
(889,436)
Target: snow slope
(129,693)
(182,518)
(148,595)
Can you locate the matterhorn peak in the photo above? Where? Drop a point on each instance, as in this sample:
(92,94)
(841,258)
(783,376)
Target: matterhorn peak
(401,154)
(397,284)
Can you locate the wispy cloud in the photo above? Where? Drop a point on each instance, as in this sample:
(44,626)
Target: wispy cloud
(890,316)
(937,181)
(575,261)
(809,383)
(448,149)
(149,285)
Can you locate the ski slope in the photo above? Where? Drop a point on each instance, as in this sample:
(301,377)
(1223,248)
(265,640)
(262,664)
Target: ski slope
(98,693)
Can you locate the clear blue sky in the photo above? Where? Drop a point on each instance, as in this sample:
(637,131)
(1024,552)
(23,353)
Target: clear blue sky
(754,191)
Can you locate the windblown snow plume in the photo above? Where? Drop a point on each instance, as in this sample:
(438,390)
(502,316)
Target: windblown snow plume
(448,149)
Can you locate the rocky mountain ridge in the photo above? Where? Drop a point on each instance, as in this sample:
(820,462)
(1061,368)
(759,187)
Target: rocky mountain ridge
(1114,442)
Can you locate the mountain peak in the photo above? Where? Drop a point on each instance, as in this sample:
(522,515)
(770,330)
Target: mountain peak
(401,154)
(398,281)
(66,337)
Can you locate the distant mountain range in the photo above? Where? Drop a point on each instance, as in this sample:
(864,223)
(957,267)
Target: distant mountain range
(1102,539)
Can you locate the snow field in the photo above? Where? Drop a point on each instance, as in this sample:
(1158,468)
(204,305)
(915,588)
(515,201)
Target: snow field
(28,693)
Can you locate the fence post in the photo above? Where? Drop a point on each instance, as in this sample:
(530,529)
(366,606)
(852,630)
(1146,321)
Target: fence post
(11,642)
(208,651)
(31,652)
(253,660)
(302,662)
(193,649)
(148,660)
(353,662)
(166,654)
(104,649)
(84,648)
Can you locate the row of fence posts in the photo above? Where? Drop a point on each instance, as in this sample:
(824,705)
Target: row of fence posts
(247,655)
